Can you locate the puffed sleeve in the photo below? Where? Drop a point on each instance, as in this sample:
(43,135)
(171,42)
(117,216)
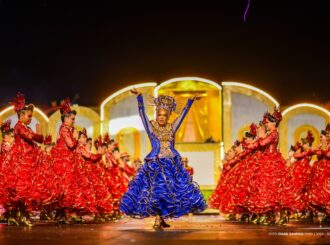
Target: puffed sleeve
(90,156)
(178,121)
(143,115)
(27,134)
(70,141)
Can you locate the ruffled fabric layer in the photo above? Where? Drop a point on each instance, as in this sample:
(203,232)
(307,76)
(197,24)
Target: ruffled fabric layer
(162,187)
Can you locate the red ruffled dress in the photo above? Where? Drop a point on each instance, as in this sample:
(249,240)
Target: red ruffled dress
(268,178)
(96,198)
(222,197)
(4,163)
(319,188)
(300,174)
(115,179)
(22,169)
(65,185)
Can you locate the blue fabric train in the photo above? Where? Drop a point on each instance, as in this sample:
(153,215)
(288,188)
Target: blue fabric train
(162,186)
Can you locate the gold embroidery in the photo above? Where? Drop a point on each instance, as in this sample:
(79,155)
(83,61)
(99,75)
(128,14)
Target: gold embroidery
(165,136)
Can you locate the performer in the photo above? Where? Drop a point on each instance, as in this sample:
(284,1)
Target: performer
(188,168)
(6,145)
(96,198)
(269,176)
(65,183)
(301,173)
(162,187)
(25,155)
(319,190)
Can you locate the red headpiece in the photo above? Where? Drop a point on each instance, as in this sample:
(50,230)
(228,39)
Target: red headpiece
(253,129)
(65,106)
(327,128)
(237,143)
(5,126)
(84,132)
(18,102)
(106,139)
(309,138)
(277,114)
(48,140)
(98,142)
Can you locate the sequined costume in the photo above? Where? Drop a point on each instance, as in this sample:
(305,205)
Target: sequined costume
(162,186)
(319,189)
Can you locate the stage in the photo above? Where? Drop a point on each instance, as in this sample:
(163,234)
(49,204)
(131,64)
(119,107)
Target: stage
(197,229)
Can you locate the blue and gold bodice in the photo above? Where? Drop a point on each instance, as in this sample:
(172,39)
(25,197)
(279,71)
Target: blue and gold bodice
(162,138)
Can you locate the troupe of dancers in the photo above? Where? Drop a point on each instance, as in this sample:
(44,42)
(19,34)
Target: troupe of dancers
(67,182)
(258,185)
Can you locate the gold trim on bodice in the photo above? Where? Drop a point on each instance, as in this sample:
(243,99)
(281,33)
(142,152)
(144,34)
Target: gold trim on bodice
(166,136)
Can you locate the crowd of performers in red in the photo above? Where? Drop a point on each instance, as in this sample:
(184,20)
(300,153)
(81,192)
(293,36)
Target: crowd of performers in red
(67,183)
(259,186)
(64,181)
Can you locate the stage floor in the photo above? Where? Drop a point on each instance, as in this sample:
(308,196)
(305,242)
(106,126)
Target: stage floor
(197,229)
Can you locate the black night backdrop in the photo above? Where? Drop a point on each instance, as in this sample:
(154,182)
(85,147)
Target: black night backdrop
(88,50)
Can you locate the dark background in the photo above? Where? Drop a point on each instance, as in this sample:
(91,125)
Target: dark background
(87,50)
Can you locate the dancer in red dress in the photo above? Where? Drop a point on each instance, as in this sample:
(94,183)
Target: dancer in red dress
(319,188)
(269,176)
(21,184)
(64,163)
(220,197)
(301,174)
(6,145)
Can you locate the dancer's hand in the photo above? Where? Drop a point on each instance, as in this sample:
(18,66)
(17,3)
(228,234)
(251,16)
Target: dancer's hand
(135,91)
(196,97)
(75,133)
(38,129)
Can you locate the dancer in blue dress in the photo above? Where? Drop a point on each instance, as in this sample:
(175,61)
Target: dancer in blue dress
(162,187)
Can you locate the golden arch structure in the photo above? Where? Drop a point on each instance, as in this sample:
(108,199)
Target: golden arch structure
(297,119)
(242,105)
(38,117)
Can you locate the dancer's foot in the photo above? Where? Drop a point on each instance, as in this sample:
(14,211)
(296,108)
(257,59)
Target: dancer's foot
(12,221)
(163,223)
(26,222)
(157,225)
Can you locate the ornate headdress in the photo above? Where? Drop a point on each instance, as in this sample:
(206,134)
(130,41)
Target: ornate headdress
(165,102)
(48,140)
(98,142)
(5,127)
(83,132)
(327,128)
(19,103)
(106,139)
(252,132)
(65,106)
(308,139)
(275,117)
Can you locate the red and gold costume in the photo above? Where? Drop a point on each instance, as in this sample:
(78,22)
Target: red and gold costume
(319,188)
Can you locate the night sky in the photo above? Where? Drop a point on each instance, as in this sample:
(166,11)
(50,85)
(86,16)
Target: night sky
(87,50)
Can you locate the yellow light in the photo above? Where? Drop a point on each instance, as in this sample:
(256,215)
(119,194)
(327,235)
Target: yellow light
(128,88)
(252,88)
(287,110)
(35,108)
(178,79)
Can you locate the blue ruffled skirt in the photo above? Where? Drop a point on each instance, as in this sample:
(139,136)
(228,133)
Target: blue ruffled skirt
(162,187)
